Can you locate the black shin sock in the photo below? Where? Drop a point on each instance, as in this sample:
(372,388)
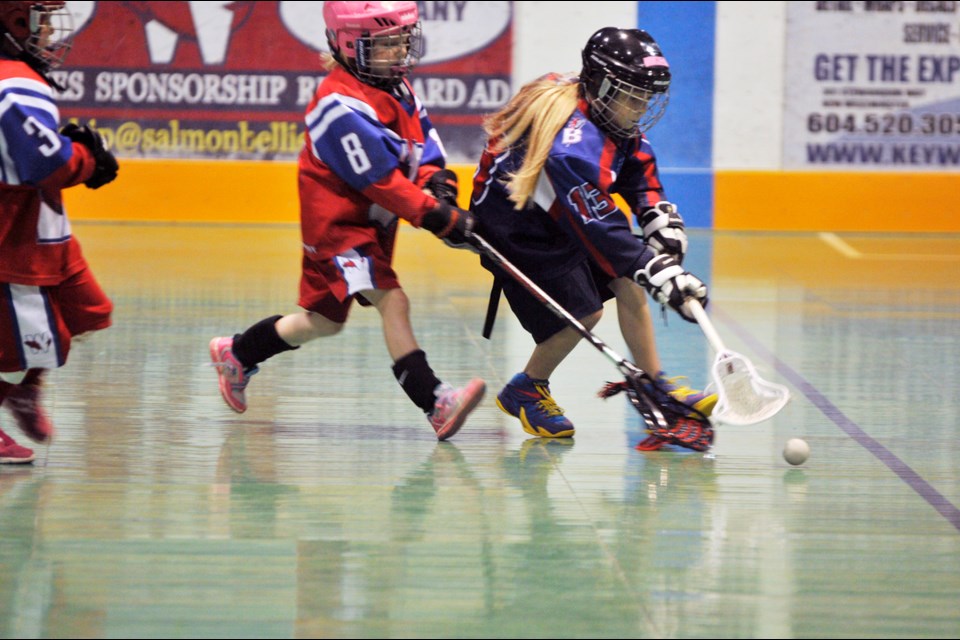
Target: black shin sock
(417,379)
(259,342)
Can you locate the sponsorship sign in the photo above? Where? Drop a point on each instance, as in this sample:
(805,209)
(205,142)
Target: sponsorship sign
(873,85)
(231,80)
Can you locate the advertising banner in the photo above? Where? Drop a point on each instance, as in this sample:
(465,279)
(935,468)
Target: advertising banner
(231,80)
(873,85)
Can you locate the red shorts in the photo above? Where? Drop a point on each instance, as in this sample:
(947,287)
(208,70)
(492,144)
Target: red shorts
(328,287)
(37,323)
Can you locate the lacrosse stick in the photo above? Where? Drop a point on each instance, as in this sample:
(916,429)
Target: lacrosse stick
(744,397)
(665,416)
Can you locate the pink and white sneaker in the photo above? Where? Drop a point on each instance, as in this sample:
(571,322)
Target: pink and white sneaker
(233,379)
(454,405)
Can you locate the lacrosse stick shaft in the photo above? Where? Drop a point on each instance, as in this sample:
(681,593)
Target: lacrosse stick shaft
(651,409)
(695,308)
(484,247)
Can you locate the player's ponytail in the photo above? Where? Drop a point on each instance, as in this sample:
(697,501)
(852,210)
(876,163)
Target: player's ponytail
(532,118)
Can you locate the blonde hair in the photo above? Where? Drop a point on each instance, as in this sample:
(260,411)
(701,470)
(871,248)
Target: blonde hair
(539,111)
(328,61)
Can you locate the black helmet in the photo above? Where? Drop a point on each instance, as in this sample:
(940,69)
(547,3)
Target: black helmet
(624,72)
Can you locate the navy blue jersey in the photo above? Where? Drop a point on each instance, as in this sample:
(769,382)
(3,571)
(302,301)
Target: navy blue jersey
(571,216)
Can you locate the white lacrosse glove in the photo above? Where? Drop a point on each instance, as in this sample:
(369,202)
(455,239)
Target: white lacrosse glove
(670,285)
(663,230)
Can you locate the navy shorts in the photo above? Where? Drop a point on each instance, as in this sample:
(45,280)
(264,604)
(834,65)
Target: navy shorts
(581,291)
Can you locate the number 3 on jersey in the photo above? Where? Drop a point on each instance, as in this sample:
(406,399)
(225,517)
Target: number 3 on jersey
(51,143)
(355,153)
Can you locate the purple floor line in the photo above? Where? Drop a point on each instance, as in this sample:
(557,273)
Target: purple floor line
(913,479)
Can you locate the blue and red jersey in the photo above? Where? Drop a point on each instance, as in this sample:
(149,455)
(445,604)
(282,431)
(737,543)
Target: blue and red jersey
(36,162)
(368,154)
(571,216)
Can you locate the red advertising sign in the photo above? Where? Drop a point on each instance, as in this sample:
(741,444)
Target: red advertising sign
(232,79)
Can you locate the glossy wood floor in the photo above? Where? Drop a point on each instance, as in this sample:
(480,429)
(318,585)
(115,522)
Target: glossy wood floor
(330,510)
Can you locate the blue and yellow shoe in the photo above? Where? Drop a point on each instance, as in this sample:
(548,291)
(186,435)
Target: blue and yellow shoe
(531,402)
(699,400)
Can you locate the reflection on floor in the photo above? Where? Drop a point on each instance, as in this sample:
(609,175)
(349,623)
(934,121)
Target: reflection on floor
(329,509)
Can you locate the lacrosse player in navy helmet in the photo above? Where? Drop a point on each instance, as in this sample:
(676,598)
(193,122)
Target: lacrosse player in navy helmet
(371,157)
(542,196)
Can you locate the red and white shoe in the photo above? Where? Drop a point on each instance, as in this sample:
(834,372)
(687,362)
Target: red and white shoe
(13,453)
(23,401)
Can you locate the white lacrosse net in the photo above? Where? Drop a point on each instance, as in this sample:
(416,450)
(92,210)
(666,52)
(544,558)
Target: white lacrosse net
(744,397)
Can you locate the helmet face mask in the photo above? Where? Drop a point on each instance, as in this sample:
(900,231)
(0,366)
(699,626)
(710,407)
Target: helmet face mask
(626,81)
(379,42)
(624,110)
(386,58)
(36,32)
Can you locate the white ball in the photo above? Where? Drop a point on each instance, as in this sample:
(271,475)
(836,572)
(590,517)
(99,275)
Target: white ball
(796,451)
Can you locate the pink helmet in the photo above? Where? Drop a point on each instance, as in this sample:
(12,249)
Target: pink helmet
(36,32)
(379,42)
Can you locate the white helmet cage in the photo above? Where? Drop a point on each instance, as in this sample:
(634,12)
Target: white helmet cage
(36,32)
(386,57)
(379,42)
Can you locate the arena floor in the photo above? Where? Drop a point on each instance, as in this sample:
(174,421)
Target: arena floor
(330,510)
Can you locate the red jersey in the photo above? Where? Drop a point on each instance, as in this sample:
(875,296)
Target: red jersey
(368,154)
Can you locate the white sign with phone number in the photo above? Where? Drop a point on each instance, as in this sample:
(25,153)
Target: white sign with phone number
(873,85)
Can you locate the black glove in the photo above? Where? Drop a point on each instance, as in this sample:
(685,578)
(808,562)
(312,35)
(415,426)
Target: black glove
(663,230)
(106,167)
(669,284)
(451,224)
(444,186)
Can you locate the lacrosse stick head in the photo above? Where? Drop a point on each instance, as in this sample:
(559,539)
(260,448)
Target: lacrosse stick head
(744,397)
(668,420)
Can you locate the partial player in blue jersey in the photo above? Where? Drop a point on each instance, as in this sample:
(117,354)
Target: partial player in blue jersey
(543,197)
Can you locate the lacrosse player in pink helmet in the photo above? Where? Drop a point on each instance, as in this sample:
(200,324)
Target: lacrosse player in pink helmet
(371,157)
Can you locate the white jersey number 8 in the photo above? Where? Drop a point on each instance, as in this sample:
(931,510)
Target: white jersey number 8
(355,153)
